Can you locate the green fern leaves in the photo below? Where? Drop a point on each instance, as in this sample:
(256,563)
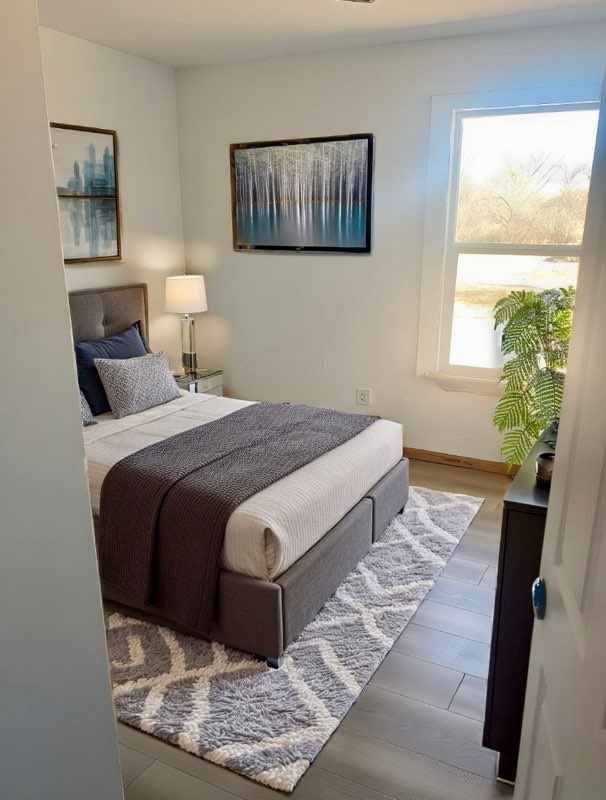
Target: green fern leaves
(535,340)
(517,444)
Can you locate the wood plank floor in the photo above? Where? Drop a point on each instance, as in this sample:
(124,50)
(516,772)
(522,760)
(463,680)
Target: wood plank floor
(415,731)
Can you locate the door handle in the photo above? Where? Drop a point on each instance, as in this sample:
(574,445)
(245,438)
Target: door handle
(539,598)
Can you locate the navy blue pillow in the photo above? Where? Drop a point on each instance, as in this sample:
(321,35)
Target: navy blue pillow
(126,344)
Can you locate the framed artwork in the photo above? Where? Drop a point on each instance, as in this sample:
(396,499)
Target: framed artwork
(303,194)
(86,176)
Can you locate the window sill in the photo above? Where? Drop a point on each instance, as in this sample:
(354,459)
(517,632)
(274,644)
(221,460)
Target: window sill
(464,383)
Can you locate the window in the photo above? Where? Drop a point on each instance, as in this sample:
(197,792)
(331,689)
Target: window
(506,208)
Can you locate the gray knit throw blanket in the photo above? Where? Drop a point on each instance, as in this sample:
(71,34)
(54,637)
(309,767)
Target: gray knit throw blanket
(164,509)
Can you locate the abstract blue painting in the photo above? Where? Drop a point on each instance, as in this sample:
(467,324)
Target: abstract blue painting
(84,161)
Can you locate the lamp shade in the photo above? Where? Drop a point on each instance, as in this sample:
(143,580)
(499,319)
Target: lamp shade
(185,294)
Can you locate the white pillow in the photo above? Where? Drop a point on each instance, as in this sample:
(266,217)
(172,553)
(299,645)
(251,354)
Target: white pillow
(135,384)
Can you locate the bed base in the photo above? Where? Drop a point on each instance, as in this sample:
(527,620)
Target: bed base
(263,617)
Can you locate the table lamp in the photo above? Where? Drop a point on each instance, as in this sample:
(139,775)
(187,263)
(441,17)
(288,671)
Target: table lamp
(186,294)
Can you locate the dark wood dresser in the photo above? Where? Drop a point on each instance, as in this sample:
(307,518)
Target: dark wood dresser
(524,512)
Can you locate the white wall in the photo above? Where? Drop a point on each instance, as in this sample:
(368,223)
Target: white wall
(57,727)
(313,327)
(87,84)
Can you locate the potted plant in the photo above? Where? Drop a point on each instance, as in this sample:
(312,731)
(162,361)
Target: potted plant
(535,341)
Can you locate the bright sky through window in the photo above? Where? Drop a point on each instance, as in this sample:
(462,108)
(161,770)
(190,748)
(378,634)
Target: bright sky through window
(488,142)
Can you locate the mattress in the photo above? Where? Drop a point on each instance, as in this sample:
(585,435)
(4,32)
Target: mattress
(266,534)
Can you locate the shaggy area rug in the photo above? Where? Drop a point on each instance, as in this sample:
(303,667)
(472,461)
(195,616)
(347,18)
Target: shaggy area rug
(226,706)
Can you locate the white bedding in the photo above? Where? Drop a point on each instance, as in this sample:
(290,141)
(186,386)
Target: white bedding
(270,531)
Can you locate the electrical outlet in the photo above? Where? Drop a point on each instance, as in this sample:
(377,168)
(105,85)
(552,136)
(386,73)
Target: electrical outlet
(362,397)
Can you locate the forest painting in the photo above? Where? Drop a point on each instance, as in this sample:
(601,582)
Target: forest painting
(304,194)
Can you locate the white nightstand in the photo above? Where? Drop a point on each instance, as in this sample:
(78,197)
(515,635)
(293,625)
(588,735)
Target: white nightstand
(209,381)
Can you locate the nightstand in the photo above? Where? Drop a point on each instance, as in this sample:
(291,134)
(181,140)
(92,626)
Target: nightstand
(209,381)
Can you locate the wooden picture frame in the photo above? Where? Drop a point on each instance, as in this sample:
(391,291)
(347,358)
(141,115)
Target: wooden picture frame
(86,176)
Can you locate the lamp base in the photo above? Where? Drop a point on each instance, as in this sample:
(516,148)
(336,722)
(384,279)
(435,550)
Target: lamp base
(188,345)
(190,363)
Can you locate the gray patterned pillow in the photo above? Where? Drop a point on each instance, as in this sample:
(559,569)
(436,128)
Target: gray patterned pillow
(134,384)
(87,414)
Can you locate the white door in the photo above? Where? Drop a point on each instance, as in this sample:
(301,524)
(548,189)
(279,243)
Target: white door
(563,748)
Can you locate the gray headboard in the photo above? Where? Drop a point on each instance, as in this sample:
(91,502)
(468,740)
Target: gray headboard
(98,313)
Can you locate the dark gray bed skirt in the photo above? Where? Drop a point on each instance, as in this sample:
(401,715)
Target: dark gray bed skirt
(263,617)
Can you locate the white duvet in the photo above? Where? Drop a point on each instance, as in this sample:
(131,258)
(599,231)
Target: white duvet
(270,531)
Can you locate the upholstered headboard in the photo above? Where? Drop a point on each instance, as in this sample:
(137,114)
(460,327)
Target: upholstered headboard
(98,313)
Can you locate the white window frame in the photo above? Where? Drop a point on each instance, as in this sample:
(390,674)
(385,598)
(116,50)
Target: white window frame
(440,249)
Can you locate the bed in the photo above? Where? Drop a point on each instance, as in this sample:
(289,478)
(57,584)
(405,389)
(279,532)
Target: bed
(287,548)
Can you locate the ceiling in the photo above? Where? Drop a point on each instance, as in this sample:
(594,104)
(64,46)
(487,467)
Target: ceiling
(187,32)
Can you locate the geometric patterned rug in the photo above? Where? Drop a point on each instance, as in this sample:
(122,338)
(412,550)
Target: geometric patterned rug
(269,724)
